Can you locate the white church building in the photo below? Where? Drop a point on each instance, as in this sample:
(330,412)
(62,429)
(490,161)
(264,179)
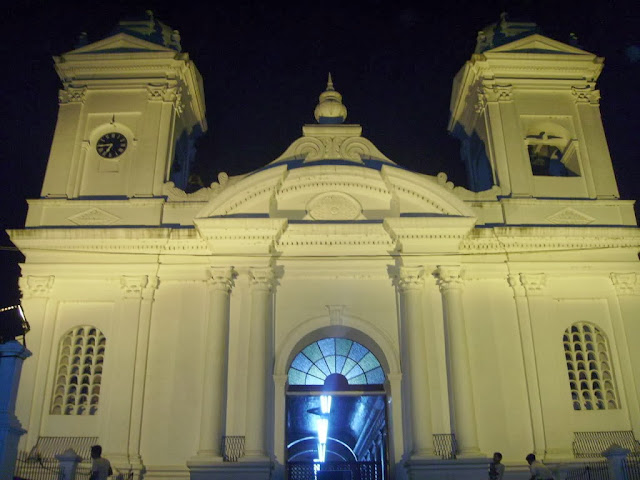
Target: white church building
(332,314)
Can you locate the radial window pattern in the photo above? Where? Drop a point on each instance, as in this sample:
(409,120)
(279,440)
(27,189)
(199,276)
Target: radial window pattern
(335,355)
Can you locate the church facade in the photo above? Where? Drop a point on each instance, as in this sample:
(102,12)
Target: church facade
(331,308)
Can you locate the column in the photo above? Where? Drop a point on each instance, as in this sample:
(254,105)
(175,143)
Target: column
(12,354)
(140,369)
(616,456)
(214,389)
(410,283)
(460,379)
(260,367)
(524,286)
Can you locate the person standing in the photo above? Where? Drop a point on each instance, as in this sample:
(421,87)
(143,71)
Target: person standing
(496,469)
(100,467)
(539,471)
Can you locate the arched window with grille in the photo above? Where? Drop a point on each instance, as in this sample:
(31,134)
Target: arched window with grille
(591,378)
(78,375)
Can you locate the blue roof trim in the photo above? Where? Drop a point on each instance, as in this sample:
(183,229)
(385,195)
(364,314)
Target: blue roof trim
(242,215)
(334,221)
(554,225)
(294,163)
(421,215)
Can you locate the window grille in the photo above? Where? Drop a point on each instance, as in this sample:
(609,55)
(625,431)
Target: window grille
(591,379)
(79,372)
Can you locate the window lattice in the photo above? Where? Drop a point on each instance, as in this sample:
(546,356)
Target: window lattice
(591,380)
(79,372)
(335,355)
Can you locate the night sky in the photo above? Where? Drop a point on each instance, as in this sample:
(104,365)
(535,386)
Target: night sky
(264,66)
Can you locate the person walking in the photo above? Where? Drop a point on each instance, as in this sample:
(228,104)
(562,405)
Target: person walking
(100,467)
(539,471)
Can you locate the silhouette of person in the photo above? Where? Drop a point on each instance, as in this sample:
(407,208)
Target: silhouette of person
(100,467)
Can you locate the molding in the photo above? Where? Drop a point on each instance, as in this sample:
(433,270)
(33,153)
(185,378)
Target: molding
(626,283)
(586,94)
(33,286)
(409,278)
(174,194)
(534,283)
(72,94)
(135,286)
(449,277)
(262,278)
(221,278)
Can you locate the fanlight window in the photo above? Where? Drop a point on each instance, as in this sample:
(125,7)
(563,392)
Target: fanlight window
(591,380)
(79,372)
(335,356)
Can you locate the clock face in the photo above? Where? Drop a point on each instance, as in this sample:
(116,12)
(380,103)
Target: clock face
(111,145)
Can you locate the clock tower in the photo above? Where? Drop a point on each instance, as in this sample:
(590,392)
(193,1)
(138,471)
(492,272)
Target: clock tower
(131,107)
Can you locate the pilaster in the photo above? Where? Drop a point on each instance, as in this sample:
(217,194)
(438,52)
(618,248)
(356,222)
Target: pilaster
(460,379)
(410,284)
(260,368)
(529,364)
(624,308)
(40,309)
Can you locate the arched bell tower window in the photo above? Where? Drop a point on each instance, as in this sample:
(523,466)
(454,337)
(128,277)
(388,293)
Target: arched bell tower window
(339,357)
(552,152)
(591,379)
(79,372)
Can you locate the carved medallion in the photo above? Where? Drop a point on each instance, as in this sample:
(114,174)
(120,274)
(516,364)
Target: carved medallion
(334,206)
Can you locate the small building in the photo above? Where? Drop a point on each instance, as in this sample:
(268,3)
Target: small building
(331,310)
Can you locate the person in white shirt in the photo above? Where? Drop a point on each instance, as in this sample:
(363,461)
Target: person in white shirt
(539,471)
(100,467)
(496,469)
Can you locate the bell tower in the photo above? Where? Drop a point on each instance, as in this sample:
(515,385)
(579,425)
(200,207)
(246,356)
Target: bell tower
(131,107)
(526,111)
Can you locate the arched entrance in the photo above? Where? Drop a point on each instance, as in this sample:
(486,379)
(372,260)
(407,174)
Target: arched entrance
(336,415)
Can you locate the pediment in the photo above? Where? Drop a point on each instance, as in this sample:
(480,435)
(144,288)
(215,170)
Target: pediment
(119,43)
(334,192)
(540,44)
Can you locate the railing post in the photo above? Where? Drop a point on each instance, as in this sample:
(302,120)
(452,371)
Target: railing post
(69,461)
(616,456)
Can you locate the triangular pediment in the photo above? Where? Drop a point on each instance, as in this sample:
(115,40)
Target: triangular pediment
(540,44)
(119,43)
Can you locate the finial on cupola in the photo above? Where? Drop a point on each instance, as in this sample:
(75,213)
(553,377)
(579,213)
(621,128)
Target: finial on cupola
(330,109)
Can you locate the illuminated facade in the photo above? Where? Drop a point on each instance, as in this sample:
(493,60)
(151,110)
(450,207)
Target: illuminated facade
(503,316)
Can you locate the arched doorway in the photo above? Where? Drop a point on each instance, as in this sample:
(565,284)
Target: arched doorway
(336,416)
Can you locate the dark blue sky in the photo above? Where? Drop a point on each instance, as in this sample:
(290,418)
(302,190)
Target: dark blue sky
(265,64)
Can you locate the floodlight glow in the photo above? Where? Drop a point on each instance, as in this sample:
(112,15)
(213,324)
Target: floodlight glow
(323,428)
(322,451)
(325,404)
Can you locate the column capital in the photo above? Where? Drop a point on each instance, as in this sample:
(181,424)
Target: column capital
(534,283)
(262,278)
(625,283)
(514,282)
(449,277)
(221,278)
(409,278)
(36,286)
(138,286)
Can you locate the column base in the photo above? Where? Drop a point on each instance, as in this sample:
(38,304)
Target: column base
(245,470)
(459,469)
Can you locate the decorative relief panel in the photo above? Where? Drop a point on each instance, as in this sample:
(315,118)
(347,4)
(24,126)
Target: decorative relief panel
(586,94)
(570,216)
(626,283)
(338,147)
(93,216)
(334,206)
